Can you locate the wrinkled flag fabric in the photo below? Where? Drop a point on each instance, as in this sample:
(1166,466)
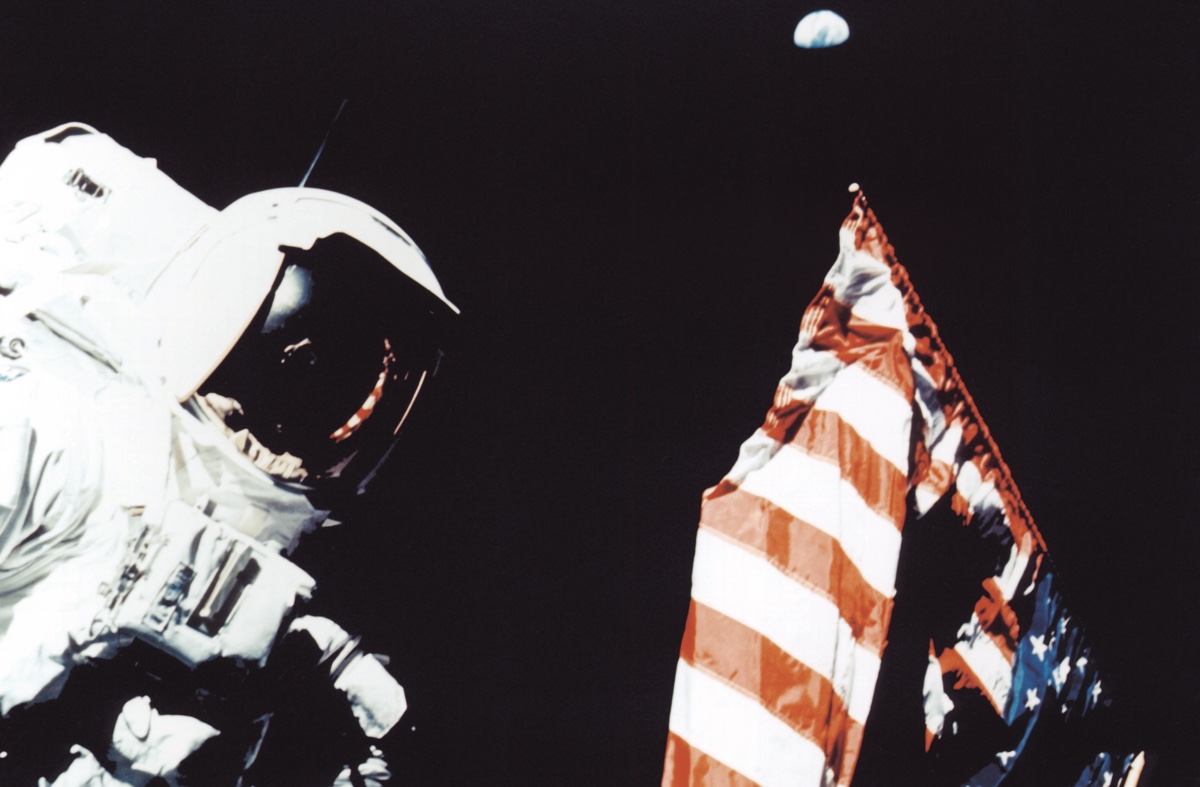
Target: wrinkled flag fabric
(795,571)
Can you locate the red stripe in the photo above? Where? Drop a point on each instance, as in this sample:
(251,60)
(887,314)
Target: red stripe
(1018,524)
(882,486)
(876,349)
(686,766)
(954,665)
(834,328)
(977,446)
(931,351)
(938,477)
(869,237)
(806,554)
(782,418)
(792,691)
(997,618)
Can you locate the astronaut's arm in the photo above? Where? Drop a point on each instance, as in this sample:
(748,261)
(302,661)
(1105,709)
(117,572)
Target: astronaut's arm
(375,698)
(332,703)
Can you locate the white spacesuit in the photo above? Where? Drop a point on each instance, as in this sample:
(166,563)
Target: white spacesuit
(184,393)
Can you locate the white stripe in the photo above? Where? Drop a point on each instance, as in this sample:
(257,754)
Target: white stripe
(865,674)
(937,703)
(946,448)
(926,497)
(865,284)
(987,661)
(814,491)
(810,372)
(735,730)
(968,479)
(925,395)
(984,500)
(754,453)
(877,411)
(806,625)
(1014,569)
(980,494)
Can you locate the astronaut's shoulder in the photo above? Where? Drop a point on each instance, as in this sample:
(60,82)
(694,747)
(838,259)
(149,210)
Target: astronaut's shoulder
(42,156)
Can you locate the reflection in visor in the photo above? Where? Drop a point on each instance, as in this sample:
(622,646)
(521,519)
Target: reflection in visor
(292,294)
(364,412)
(330,367)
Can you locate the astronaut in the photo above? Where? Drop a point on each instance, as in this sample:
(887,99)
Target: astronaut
(185,393)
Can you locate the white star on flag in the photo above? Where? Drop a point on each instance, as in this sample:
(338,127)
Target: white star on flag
(1081,663)
(1107,779)
(1096,692)
(798,551)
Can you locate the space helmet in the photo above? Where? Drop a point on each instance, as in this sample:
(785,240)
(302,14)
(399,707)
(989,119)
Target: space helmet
(306,323)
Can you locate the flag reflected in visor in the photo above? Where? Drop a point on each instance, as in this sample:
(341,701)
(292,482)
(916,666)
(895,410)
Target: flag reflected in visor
(796,562)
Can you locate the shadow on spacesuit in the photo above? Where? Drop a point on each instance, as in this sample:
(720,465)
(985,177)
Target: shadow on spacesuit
(189,392)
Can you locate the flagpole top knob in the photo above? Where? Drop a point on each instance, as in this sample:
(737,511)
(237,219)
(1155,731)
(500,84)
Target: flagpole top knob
(853,188)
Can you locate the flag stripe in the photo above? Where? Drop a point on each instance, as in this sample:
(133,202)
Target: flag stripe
(874,410)
(982,484)
(939,476)
(790,690)
(874,348)
(685,766)
(997,617)
(880,483)
(806,554)
(812,370)
(807,626)
(979,664)
(735,730)
(796,556)
(814,491)
(861,274)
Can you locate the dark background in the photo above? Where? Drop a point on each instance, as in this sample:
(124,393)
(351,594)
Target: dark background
(632,203)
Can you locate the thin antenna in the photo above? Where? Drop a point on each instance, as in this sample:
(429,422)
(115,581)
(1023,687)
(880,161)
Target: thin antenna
(321,149)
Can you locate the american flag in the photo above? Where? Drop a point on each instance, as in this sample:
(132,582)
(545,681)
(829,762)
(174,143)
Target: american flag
(798,552)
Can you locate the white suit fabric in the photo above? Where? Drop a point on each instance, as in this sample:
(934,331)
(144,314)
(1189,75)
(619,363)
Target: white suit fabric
(117,504)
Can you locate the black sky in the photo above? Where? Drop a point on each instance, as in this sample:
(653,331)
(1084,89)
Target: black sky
(632,203)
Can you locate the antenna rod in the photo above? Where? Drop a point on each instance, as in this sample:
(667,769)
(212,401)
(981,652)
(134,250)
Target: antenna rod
(321,149)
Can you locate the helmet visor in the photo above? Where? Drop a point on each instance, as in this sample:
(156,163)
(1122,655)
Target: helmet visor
(330,366)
